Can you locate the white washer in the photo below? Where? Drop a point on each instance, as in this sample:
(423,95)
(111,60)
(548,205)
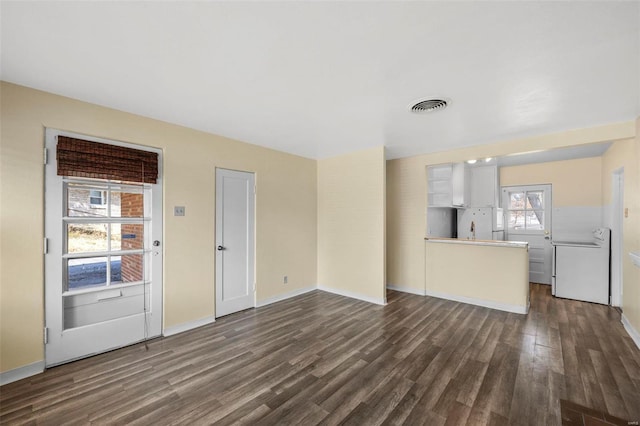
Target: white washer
(581,268)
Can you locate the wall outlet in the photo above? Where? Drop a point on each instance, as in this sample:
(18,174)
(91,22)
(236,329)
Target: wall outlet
(285,280)
(178,210)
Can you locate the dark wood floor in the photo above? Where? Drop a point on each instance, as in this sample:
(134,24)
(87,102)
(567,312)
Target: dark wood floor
(323,358)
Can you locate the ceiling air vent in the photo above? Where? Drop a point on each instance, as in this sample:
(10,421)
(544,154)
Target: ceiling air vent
(429,105)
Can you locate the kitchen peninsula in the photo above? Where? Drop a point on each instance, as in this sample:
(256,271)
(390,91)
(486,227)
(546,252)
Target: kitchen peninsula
(494,274)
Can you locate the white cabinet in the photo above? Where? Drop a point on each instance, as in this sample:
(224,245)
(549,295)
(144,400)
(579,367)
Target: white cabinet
(459,187)
(439,190)
(483,186)
(446,185)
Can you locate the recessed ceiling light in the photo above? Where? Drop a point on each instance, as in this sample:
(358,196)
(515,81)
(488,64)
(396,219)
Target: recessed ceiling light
(471,161)
(486,160)
(429,105)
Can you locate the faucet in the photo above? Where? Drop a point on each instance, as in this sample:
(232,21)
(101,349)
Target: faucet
(473,230)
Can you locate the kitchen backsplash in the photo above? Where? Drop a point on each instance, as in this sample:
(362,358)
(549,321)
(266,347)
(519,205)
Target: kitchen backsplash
(576,222)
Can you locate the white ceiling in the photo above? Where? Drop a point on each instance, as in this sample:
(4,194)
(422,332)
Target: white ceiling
(320,79)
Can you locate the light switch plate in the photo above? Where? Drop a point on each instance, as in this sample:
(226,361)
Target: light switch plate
(178,210)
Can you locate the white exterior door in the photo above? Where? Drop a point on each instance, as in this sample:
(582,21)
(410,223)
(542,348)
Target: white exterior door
(103,273)
(528,218)
(235,212)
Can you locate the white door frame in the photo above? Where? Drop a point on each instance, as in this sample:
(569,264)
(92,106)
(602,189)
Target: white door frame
(617,235)
(225,306)
(64,345)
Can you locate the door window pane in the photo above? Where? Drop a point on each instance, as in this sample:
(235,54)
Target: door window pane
(87,237)
(86,272)
(127,269)
(516,219)
(86,201)
(116,236)
(516,200)
(127,236)
(535,220)
(127,204)
(534,200)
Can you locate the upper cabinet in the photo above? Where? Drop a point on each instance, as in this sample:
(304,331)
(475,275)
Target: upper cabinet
(460,186)
(446,185)
(439,190)
(483,186)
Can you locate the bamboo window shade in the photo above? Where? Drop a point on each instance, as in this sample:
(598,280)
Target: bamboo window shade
(81,158)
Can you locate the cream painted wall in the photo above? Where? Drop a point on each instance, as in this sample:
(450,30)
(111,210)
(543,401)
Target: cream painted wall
(406,223)
(286,212)
(631,297)
(623,154)
(497,275)
(407,191)
(627,154)
(351,224)
(574,182)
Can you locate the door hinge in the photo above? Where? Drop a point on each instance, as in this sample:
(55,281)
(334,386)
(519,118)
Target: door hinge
(46,156)
(46,246)
(46,335)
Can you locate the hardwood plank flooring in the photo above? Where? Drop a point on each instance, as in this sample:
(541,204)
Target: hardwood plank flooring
(325,359)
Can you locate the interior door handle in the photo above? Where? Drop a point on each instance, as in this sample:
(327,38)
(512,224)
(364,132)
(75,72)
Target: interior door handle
(220,248)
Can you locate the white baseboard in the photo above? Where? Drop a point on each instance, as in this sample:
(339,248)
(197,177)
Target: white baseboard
(517,309)
(353,295)
(175,329)
(285,296)
(633,333)
(21,372)
(406,289)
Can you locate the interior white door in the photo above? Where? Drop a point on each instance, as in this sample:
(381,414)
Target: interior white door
(103,273)
(528,218)
(235,212)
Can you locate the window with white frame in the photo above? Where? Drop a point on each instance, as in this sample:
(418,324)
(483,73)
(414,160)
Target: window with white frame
(526,211)
(97,197)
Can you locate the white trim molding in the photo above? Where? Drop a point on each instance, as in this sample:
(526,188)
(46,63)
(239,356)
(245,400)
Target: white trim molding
(516,309)
(186,326)
(404,289)
(285,296)
(21,372)
(633,333)
(353,295)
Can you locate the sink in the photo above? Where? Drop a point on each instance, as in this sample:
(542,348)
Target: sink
(635,258)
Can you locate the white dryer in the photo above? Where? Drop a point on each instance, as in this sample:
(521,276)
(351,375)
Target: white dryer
(581,268)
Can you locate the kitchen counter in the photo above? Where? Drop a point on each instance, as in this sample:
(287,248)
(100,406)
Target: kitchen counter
(635,258)
(495,243)
(493,274)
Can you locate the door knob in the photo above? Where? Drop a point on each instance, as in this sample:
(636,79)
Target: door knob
(220,248)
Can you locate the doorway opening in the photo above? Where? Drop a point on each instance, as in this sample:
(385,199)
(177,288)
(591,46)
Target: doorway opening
(617,232)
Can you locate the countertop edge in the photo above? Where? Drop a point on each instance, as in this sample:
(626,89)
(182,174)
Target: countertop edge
(510,244)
